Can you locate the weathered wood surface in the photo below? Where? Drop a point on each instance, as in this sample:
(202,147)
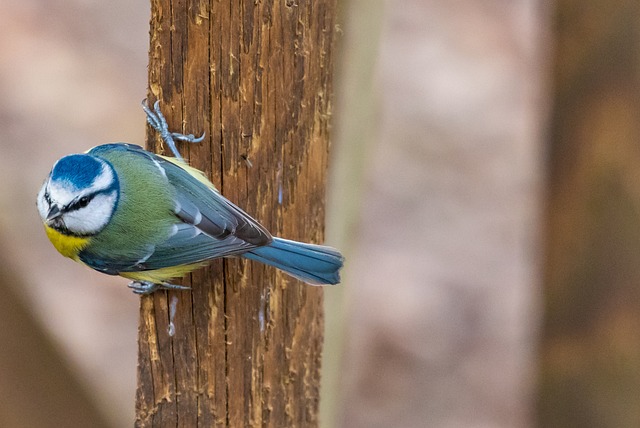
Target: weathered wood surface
(256,77)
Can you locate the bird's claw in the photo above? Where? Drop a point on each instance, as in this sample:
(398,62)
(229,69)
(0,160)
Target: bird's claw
(148,287)
(158,122)
(188,138)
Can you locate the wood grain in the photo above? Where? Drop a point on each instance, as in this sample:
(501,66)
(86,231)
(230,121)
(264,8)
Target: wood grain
(256,77)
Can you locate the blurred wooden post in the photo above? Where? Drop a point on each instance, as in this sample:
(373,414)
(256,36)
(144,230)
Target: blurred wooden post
(245,344)
(590,343)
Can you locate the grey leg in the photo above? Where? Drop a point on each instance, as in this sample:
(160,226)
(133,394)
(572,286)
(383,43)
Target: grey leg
(158,122)
(147,287)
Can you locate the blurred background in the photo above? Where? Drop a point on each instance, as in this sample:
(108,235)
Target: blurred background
(485,188)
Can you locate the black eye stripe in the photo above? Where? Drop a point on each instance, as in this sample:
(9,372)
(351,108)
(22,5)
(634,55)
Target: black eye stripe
(80,203)
(86,199)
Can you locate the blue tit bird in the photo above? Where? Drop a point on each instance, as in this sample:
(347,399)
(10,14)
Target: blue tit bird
(122,210)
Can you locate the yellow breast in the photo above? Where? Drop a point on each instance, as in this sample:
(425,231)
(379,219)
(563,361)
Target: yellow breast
(159,276)
(68,246)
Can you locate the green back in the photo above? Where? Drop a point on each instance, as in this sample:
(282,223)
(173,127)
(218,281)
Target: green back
(143,217)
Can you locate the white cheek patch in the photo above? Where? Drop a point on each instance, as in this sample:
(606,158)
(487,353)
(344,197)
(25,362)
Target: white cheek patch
(43,205)
(92,218)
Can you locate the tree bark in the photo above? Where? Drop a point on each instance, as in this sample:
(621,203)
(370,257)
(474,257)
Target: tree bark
(243,347)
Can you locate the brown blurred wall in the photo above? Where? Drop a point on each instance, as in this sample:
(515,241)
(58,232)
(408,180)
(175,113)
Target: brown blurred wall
(590,359)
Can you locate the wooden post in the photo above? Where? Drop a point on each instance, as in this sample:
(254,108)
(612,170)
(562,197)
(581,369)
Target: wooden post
(243,347)
(590,346)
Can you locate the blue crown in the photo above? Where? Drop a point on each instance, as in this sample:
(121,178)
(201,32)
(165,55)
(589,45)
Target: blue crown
(79,170)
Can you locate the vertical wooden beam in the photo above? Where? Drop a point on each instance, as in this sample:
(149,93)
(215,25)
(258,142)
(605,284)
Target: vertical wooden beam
(355,136)
(590,346)
(246,342)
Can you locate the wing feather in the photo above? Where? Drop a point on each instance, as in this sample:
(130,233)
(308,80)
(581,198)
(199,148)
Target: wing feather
(220,217)
(189,245)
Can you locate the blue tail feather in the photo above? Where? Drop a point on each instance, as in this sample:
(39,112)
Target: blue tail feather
(313,264)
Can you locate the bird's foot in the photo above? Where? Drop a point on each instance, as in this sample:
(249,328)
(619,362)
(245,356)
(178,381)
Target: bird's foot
(159,123)
(148,287)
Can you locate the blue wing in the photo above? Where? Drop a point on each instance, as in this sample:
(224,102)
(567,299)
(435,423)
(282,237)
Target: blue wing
(190,245)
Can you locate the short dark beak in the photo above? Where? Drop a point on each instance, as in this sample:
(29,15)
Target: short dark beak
(54,213)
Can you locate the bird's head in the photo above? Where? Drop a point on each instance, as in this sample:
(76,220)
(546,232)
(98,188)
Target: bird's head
(79,196)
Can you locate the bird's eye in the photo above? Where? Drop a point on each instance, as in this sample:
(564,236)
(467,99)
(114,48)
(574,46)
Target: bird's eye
(83,202)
